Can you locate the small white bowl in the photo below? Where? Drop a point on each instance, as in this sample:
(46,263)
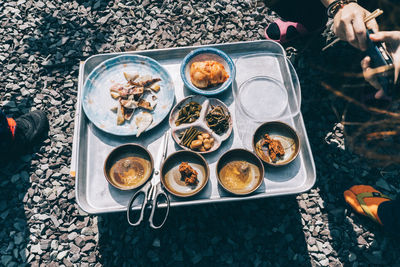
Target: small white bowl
(204,54)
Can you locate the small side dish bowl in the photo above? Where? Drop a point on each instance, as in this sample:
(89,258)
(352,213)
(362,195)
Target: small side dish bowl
(171,177)
(198,108)
(277,131)
(240,172)
(128,166)
(204,54)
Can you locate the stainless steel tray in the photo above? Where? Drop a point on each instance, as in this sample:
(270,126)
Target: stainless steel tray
(91,145)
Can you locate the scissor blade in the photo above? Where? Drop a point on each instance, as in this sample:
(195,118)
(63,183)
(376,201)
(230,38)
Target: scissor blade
(162,153)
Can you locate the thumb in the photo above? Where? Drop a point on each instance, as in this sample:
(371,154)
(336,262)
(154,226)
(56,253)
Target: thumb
(382,36)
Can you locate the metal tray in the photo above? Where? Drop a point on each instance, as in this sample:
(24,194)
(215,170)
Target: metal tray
(91,145)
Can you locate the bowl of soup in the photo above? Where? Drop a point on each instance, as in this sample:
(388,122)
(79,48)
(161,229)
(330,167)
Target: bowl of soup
(128,166)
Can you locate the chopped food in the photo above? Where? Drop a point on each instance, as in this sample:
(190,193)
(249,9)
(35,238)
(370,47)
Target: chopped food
(196,140)
(155,88)
(274,147)
(131,76)
(188,174)
(204,74)
(189,113)
(218,120)
(145,104)
(132,96)
(143,121)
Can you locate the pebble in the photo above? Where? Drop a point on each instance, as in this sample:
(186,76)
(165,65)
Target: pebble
(87,231)
(54,244)
(36,249)
(87,247)
(72,236)
(74,249)
(352,257)
(79,241)
(75,258)
(5,260)
(44,245)
(383,184)
(62,254)
(156,243)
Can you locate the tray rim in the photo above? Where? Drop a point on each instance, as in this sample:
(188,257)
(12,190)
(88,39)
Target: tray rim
(74,173)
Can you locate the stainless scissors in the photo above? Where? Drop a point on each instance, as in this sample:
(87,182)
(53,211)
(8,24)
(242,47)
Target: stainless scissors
(152,191)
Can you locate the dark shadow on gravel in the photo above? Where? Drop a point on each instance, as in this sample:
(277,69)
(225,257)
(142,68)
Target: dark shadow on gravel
(354,238)
(61,39)
(251,233)
(14,184)
(15,191)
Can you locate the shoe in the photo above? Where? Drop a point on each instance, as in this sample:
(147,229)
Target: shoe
(365,200)
(30,129)
(284,31)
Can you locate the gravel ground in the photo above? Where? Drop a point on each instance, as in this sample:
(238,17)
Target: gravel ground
(41,225)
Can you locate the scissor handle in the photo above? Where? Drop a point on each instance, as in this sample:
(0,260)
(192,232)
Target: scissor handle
(159,193)
(145,192)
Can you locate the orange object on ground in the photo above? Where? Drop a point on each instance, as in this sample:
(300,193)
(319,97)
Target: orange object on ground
(365,200)
(12,124)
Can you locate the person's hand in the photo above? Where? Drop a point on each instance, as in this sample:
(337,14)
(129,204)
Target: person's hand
(348,25)
(392,41)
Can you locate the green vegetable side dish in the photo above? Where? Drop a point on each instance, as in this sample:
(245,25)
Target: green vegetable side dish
(188,136)
(218,120)
(189,113)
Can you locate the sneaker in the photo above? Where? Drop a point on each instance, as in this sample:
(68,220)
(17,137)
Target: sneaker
(284,31)
(30,129)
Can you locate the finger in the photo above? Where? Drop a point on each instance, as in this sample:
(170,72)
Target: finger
(369,74)
(365,63)
(382,36)
(339,30)
(379,94)
(350,35)
(360,33)
(370,77)
(373,25)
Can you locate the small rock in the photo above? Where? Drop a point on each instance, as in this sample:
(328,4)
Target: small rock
(72,236)
(383,184)
(36,249)
(312,248)
(352,257)
(104,19)
(324,262)
(362,241)
(18,238)
(156,243)
(5,259)
(87,247)
(311,241)
(87,231)
(62,254)
(44,245)
(79,241)
(74,249)
(75,258)
(54,244)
